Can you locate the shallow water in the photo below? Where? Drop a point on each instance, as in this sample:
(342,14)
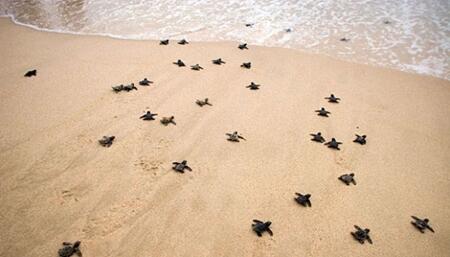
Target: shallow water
(410,35)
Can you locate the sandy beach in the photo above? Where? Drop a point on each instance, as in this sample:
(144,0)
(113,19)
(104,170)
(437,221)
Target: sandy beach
(58,184)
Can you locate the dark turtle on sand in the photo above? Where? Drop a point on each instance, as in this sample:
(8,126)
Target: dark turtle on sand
(145,82)
(317,137)
(246,65)
(106,141)
(167,120)
(30,73)
(260,227)
(333,99)
(333,144)
(348,178)
(180,63)
(253,86)
(361,235)
(303,199)
(242,46)
(204,102)
(360,139)
(218,61)
(196,67)
(117,88)
(322,112)
(234,137)
(421,224)
(70,249)
(164,42)
(130,87)
(183,42)
(288,30)
(387,22)
(180,166)
(344,39)
(148,116)
(249,24)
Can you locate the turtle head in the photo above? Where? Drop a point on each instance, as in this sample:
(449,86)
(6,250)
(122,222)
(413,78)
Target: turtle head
(308,196)
(206,100)
(268,223)
(364,136)
(319,133)
(184,162)
(367,230)
(332,95)
(352,174)
(426,220)
(112,137)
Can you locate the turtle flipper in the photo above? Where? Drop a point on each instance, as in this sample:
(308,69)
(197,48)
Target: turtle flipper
(259,233)
(354,182)
(369,240)
(188,168)
(241,137)
(357,227)
(175,163)
(414,217)
(431,229)
(257,221)
(78,252)
(269,231)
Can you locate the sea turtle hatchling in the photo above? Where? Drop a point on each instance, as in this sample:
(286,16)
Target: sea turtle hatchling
(253,86)
(322,112)
(196,67)
(203,102)
(333,99)
(333,144)
(183,42)
(246,65)
(348,178)
(360,139)
(145,82)
(303,199)
(70,249)
(218,61)
(148,116)
(180,63)
(30,73)
(164,42)
(167,120)
(260,227)
(234,137)
(421,224)
(130,87)
(117,88)
(180,166)
(243,46)
(361,235)
(317,137)
(106,141)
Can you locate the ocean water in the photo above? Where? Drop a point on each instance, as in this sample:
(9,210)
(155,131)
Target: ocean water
(409,35)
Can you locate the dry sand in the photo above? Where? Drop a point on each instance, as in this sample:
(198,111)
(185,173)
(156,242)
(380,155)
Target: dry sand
(57,184)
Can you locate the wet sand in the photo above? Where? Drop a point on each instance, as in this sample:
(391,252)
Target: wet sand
(58,184)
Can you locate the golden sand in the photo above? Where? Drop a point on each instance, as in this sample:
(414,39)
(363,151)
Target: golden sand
(58,184)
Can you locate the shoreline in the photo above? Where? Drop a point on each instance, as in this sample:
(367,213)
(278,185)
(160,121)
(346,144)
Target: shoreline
(303,51)
(57,184)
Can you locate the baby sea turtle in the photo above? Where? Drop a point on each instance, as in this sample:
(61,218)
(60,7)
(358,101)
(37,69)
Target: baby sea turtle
(333,144)
(249,24)
(117,88)
(148,116)
(218,61)
(196,67)
(183,42)
(70,249)
(30,73)
(145,82)
(361,235)
(242,46)
(333,99)
(130,87)
(421,224)
(360,139)
(164,42)
(344,39)
(288,30)
(204,102)
(180,166)
(234,137)
(303,199)
(348,178)
(253,86)
(260,227)
(322,112)
(180,63)
(106,141)
(246,65)
(317,137)
(167,120)
(387,22)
